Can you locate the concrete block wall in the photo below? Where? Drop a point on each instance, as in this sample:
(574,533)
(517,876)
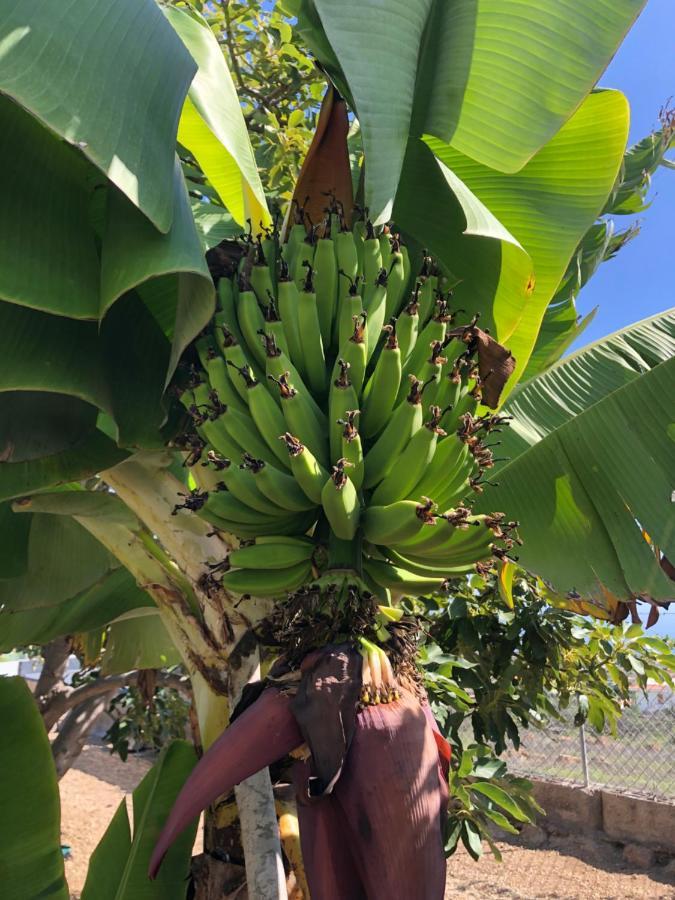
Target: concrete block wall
(620,817)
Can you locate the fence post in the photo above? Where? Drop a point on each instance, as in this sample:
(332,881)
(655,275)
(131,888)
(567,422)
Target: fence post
(584,756)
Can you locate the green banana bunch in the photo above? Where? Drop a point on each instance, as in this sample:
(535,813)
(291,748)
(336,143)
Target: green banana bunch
(332,402)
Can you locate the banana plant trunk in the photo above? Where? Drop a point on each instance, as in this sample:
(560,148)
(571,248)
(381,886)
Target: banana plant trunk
(170,560)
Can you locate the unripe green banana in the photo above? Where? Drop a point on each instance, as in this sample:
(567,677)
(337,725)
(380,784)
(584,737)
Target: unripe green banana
(428,571)
(432,539)
(278,366)
(385,245)
(352,451)
(399,581)
(288,301)
(325,281)
(397,521)
(372,263)
(467,403)
(341,503)
(221,383)
(261,281)
(407,326)
(291,524)
(296,236)
(304,257)
(227,315)
(267,582)
(236,358)
(411,464)
(375,308)
(451,457)
(427,298)
(382,387)
(271,555)
(241,484)
(300,419)
(283,490)
(405,421)
(274,327)
(349,308)
(359,232)
(244,431)
(266,416)
(308,320)
(251,323)
(307,471)
(341,400)
(347,261)
(353,353)
(397,279)
(215,433)
(225,505)
(415,364)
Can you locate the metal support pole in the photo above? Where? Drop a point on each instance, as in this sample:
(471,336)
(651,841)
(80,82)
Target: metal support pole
(584,756)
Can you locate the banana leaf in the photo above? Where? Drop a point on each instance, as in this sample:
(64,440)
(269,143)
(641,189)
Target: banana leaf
(138,639)
(496,79)
(31,863)
(547,206)
(590,476)
(118,869)
(110,80)
(212,124)
(113,595)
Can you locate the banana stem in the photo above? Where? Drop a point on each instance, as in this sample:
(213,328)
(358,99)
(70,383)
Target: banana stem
(345,554)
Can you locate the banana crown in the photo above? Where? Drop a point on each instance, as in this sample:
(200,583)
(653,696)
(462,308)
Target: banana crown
(333,402)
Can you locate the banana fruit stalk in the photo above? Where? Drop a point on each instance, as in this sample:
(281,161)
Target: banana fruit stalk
(335,396)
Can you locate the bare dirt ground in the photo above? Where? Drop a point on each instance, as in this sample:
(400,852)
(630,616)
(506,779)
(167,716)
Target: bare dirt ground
(565,868)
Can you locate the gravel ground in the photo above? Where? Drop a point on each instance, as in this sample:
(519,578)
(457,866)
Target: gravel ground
(565,868)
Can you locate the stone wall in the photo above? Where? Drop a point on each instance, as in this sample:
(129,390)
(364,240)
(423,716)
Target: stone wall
(621,817)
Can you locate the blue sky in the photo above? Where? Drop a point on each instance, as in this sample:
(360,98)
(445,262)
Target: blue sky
(639,282)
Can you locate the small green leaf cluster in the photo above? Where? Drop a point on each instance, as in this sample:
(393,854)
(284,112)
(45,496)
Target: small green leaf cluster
(493,671)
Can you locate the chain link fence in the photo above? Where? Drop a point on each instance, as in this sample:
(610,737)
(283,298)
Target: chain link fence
(639,760)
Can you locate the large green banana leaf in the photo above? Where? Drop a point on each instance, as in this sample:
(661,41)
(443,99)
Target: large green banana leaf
(31,863)
(496,79)
(113,595)
(108,78)
(546,208)
(118,869)
(592,448)
(212,124)
(138,640)
(55,544)
(58,371)
(560,325)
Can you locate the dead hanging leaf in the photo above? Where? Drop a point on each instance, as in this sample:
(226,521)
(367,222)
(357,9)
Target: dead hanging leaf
(325,709)
(326,171)
(495,363)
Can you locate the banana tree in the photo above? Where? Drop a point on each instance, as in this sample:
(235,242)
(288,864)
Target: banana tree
(279,463)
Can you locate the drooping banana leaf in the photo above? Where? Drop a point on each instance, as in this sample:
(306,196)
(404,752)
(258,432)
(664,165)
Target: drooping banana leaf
(63,561)
(118,869)
(110,79)
(549,205)
(495,79)
(115,594)
(546,208)
(592,446)
(31,863)
(212,124)
(137,639)
(60,366)
(560,326)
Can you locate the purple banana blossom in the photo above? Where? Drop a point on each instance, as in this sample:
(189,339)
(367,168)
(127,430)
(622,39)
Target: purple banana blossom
(372,798)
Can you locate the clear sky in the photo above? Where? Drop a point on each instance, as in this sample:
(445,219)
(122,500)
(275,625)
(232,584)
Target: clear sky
(639,282)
